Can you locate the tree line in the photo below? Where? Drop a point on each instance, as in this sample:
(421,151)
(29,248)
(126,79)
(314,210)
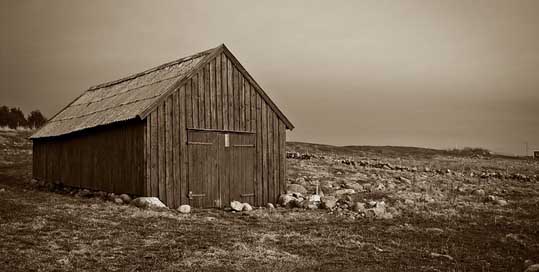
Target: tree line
(15,118)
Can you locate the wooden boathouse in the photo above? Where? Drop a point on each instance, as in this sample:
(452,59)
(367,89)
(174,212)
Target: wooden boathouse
(198,131)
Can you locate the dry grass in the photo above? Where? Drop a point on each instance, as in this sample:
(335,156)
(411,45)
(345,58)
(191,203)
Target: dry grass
(46,231)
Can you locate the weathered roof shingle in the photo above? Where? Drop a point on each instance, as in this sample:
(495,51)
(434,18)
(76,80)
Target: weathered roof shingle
(119,100)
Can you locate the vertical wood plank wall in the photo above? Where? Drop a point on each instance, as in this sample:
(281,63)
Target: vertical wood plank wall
(218,97)
(110,159)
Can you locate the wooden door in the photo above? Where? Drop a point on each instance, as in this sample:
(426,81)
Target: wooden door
(203,150)
(240,162)
(221,168)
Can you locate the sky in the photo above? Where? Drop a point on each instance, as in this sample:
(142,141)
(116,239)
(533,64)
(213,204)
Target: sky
(430,73)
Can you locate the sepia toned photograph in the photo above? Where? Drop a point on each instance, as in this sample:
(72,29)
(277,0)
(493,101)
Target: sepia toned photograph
(238,135)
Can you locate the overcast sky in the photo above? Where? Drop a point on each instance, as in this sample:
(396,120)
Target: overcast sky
(416,73)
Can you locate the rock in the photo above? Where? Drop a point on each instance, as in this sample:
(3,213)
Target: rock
(314,198)
(101,194)
(287,200)
(236,206)
(409,202)
(342,192)
(405,180)
(434,230)
(328,202)
(380,187)
(148,202)
(478,192)
(34,181)
(300,181)
(184,209)
(296,188)
(125,198)
(490,198)
(438,255)
(2,190)
(118,201)
(358,207)
(532,268)
(310,205)
(111,196)
(247,207)
(270,206)
(85,193)
(500,202)
(354,186)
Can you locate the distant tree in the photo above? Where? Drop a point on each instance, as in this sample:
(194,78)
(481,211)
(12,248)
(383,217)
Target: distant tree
(36,119)
(4,116)
(16,118)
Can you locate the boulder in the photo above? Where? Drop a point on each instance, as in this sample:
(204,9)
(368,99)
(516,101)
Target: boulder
(342,192)
(247,207)
(296,188)
(354,186)
(270,206)
(118,201)
(328,202)
(2,190)
(490,198)
(184,209)
(125,198)
(148,202)
(287,200)
(314,198)
(310,205)
(111,196)
(236,206)
(85,193)
(500,202)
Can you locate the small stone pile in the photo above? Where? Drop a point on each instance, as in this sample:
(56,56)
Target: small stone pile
(340,202)
(300,156)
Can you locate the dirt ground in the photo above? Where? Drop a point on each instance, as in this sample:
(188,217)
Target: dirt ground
(440,222)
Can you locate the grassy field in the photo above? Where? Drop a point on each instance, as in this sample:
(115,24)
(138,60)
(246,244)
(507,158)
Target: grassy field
(439,222)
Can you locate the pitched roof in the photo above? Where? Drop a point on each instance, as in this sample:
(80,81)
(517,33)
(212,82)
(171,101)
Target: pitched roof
(133,96)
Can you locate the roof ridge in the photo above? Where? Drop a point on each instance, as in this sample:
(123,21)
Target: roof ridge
(156,68)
